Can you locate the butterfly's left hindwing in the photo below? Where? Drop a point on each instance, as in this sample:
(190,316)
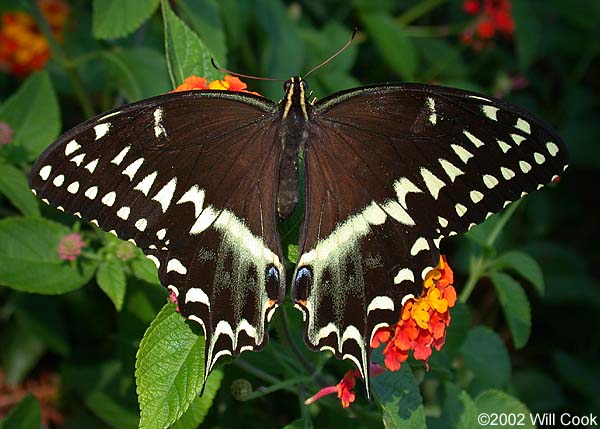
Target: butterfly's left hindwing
(390,171)
(191,178)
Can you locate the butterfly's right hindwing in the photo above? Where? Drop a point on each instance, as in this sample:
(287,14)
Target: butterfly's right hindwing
(190,178)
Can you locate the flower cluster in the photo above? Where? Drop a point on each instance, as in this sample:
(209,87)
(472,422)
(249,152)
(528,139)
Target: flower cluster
(422,326)
(493,17)
(69,247)
(228,83)
(23,47)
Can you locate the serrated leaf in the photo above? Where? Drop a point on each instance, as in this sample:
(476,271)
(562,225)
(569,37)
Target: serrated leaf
(393,44)
(398,395)
(515,306)
(33,114)
(30,262)
(186,54)
(497,402)
(485,355)
(169,369)
(111,279)
(13,184)
(524,265)
(116,18)
(459,410)
(27,414)
(198,410)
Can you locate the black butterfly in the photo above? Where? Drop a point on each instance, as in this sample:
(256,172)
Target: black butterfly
(198,180)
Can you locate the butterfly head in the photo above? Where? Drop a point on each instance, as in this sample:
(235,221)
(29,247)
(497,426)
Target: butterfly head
(295,99)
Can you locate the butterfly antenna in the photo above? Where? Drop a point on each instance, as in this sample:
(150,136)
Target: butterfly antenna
(245,76)
(328,60)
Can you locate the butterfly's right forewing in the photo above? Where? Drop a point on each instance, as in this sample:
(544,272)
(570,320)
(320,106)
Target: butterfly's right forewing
(191,178)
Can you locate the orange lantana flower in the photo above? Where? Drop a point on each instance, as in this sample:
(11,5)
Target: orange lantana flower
(228,83)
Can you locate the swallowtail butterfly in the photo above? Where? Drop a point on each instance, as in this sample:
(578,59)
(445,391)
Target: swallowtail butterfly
(198,180)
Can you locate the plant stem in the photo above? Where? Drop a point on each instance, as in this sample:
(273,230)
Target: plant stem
(282,385)
(418,10)
(479,264)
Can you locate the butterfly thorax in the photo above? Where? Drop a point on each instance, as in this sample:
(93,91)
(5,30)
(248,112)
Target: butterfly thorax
(292,134)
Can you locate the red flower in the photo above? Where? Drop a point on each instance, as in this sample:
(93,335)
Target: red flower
(493,17)
(70,247)
(228,83)
(471,6)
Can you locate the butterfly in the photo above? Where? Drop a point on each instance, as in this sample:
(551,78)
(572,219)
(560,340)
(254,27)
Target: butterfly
(200,179)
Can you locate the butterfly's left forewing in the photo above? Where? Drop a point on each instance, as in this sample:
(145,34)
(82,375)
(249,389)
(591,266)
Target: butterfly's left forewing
(190,178)
(390,171)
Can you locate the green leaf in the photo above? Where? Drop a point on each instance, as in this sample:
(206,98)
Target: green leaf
(169,369)
(13,184)
(139,73)
(111,279)
(524,265)
(541,392)
(393,44)
(198,409)
(515,306)
(204,17)
(21,351)
(30,262)
(497,402)
(398,395)
(186,54)
(485,355)
(459,410)
(25,415)
(33,114)
(296,424)
(116,18)
(144,269)
(112,412)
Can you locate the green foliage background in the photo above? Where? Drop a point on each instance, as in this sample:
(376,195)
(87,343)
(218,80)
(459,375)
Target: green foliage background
(524,336)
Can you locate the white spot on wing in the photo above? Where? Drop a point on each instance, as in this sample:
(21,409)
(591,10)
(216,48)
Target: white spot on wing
(451,170)
(419,245)
(91,166)
(117,160)
(160,234)
(525,166)
(123,212)
(206,218)
(381,303)
(158,126)
(431,106)
(78,159)
(523,125)
(109,199)
(141,224)
(507,173)
(518,138)
(73,188)
(404,274)
(443,222)
(197,295)
(490,112)
(489,181)
(92,192)
(71,147)
(539,158)
(478,143)
(503,145)
(193,195)
(154,259)
(101,130)
(476,196)
(146,183)
(462,153)
(133,168)
(165,195)
(552,148)
(45,172)
(433,183)
(374,214)
(59,180)
(403,187)
(176,265)
(397,212)
(460,209)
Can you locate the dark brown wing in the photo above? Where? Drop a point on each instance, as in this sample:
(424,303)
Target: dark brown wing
(191,179)
(390,171)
